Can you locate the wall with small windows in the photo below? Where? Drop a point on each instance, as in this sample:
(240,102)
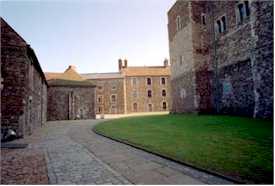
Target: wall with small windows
(147,93)
(231,38)
(110,95)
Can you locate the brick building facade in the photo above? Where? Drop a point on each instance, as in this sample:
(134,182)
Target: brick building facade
(70,96)
(221,55)
(132,89)
(24,91)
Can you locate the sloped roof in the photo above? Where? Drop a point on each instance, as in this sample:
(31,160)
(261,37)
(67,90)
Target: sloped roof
(62,82)
(52,75)
(111,75)
(146,71)
(69,78)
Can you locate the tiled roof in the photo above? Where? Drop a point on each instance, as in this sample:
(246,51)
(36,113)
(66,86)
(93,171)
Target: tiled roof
(111,75)
(146,71)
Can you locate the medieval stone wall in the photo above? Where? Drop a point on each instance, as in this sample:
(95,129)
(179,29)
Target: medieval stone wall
(22,81)
(233,70)
(70,103)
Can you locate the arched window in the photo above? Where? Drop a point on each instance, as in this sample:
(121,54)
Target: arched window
(164,106)
(163,81)
(163,93)
(149,93)
(149,81)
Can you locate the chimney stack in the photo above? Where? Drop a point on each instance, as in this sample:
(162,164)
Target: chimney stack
(119,64)
(165,63)
(125,63)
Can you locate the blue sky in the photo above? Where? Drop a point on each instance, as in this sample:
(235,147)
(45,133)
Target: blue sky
(92,34)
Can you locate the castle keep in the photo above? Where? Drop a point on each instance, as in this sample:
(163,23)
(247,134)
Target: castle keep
(221,55)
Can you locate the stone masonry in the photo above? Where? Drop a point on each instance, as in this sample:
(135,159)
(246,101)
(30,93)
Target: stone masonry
(132,89)
(70,97)
(221,56)
(24,93)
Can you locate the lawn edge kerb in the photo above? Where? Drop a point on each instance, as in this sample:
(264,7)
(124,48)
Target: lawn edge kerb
(169,158)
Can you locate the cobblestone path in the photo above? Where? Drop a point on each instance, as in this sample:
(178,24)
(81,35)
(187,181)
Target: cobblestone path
(76,155)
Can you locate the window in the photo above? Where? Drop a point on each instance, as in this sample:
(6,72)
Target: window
(163,93)
(100,88)
(135,107)
(178,23)
(243,11)
(221,25)
(99,109)
(114,87)
(247,9)
(163,81)
(164,106)
(149,93)
(113,98)
(203,19)
(150,107)
(134,81)
(149,81)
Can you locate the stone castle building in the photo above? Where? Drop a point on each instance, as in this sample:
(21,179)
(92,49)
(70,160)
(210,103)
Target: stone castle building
(24,87)
(70,96)
(132,89)
(221,55)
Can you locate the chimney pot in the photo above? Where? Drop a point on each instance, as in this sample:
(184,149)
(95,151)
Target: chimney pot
(125,63)
(119,64)
(165,63)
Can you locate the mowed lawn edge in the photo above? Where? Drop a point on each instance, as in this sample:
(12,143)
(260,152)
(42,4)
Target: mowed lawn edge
(236,147)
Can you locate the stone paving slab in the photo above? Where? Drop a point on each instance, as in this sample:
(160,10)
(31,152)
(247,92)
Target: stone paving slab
(137,166)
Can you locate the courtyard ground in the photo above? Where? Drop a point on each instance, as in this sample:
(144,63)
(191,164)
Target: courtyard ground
(238,147)
(74,154)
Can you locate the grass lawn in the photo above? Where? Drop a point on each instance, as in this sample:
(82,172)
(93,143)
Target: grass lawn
(234,146)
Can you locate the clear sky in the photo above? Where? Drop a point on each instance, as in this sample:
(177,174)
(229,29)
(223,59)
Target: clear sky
(92,34)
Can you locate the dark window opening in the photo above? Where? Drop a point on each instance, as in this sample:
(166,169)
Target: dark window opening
(149,93)
(224,23)
(219,26)
(241,12)
(164,106)
(149,81)
(247,10)
(163,93)
(99,99)
(203,20)
(113,98)
(163,81)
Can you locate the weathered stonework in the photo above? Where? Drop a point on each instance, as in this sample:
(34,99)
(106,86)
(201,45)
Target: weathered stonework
(70,97)
(24,98)
(230,70)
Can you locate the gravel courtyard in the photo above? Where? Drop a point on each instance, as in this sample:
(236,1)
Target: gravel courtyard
(74,154)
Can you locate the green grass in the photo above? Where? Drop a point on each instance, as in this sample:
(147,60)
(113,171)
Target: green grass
(233,146)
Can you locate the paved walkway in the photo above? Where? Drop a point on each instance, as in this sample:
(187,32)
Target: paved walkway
(76,155)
